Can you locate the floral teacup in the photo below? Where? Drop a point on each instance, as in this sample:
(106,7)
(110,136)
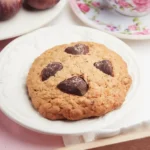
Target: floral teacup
(131,7)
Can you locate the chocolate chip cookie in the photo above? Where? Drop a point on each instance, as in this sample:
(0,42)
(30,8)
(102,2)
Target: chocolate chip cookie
(78,80)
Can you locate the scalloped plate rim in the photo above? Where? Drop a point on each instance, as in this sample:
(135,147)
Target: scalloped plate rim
(103,130)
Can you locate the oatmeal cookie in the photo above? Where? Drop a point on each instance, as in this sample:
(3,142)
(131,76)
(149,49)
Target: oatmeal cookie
(78,80)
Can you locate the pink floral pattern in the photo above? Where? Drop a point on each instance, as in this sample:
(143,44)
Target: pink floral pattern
(132,5)
(96,4)
(122,3)
(112,28)
(133,27)
(84,7)
(91,9)
(142,5)
(144,32)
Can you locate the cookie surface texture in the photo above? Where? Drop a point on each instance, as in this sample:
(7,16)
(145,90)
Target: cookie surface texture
(78,80)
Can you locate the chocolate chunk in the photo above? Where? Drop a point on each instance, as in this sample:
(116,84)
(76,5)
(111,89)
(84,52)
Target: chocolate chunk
(74,85)
(105,66)
(50,70)
(78,49)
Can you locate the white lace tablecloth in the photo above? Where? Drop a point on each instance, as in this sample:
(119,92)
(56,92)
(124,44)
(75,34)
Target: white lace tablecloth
(13,136)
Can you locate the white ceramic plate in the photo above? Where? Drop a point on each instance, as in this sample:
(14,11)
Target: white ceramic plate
(106,19)
(26,21)
(16,59)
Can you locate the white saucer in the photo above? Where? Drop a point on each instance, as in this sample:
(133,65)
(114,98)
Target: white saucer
(108,20)
(16,59)
(26,21)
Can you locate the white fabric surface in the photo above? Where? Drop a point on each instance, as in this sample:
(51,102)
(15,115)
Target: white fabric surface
(141,112)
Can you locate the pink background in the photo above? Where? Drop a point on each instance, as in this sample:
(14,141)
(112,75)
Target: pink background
(15,137)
